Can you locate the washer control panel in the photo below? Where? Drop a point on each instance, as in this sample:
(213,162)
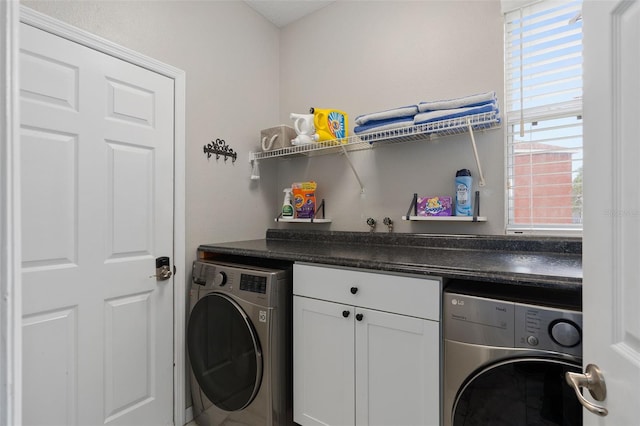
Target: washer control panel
(500,323)
(551,329)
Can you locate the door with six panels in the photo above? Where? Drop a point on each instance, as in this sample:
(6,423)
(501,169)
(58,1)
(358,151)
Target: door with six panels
(97,210)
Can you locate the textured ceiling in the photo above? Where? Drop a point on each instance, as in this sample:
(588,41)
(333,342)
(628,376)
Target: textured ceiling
(283,12)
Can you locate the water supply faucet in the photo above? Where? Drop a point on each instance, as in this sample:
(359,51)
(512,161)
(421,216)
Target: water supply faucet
(387,221)
(372,223)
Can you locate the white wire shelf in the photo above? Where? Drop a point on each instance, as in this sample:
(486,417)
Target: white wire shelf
(351,143)
(454,126)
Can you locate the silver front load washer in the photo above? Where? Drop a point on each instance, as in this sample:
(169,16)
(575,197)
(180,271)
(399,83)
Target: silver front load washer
(504,362)
(239,345)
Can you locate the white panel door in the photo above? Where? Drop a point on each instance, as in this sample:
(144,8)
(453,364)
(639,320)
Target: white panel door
(323,370)
(611,289)
(397,370)
(97,210)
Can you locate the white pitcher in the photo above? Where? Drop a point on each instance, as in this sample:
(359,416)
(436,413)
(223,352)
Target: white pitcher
(303,125)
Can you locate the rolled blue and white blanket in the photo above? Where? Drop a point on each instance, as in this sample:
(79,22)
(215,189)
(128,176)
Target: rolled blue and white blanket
(381,125)
(467,101)
(401,112)
(447,114)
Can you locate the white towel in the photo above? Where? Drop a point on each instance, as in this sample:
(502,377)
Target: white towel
(406,111)
(467,101)
(378,126)
(447,114)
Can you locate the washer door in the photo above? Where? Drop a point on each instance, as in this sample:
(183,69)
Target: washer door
(519,392)
(224,352)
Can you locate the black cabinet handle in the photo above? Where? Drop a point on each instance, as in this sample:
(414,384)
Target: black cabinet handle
(359,317)
(354,290)
(345,314)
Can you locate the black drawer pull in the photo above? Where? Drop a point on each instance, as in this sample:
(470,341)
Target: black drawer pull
(354,290)
(345,314)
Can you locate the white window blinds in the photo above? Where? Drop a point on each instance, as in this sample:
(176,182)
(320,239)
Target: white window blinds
(543,72)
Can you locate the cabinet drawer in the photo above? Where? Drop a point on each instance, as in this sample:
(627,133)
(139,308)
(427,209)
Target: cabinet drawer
(407,295)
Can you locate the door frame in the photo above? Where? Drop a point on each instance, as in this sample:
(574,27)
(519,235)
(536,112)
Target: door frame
(12,14)
(10,248)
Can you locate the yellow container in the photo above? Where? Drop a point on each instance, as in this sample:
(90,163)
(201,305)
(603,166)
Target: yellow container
(330,124)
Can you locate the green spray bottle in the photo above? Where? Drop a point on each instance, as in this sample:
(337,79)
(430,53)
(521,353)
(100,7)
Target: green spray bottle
(287,205)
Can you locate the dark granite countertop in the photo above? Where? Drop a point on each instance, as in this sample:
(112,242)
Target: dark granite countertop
(554,263)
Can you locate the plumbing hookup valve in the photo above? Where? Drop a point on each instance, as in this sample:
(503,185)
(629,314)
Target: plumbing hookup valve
(372,223)
(387,221)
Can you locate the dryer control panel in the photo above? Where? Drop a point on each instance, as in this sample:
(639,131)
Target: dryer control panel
(253,283)
(499,323)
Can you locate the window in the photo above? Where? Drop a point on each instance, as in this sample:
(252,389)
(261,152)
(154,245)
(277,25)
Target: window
(543,73)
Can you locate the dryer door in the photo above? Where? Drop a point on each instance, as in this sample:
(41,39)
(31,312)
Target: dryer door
(224,352)
(518,392)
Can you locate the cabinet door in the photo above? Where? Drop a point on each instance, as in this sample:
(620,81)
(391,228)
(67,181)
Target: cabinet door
(323,370)
(397,370)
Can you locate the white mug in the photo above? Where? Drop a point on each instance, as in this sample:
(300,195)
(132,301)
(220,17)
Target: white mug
(303,123)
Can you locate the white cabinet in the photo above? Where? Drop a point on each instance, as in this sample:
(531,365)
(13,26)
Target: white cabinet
(366,348)
(323,363)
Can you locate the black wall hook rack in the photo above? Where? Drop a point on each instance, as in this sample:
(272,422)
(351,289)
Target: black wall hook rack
(220,147)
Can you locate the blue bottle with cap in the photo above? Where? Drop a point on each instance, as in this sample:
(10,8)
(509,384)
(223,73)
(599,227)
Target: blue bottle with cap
(464,183)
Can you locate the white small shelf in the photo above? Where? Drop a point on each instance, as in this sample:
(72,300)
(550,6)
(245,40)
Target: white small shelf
(446,218)
(314,219)
(415,217)
(288,220)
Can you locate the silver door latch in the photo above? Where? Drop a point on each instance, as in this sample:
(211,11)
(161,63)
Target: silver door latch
(163,269)
(593,380)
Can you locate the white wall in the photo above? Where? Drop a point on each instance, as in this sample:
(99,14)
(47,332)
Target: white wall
(244,74)
(366,56)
